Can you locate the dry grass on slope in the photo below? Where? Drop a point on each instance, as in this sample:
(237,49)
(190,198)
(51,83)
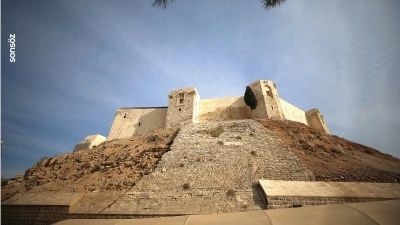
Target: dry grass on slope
(115,165)
(332,158)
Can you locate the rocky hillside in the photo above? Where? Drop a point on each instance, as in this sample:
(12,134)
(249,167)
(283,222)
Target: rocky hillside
(118,165)
(115,165)
(332,158)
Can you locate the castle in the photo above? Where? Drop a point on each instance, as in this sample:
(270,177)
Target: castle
(220,162)
(185,106)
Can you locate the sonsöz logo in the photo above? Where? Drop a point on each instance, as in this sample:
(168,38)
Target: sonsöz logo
(11,40)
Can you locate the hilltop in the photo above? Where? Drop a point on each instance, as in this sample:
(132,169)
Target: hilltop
(119,164)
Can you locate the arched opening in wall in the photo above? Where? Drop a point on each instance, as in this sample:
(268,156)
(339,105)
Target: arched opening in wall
(269,92)
(272,107)
(181,97)
(124,115)
(180,109)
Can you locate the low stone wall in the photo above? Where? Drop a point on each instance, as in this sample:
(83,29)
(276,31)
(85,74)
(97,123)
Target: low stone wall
(277,202)
(38,208)
(33,214)
(49,214)
(288,194)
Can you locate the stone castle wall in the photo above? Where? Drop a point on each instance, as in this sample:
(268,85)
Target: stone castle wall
(90,142)
(316,120)
(261,110)
(136,121)
(268,101)
(221,109)
(291,112)
(185,106)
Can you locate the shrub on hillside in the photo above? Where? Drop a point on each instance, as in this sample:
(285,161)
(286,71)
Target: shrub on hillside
(215,132)
(152,138)
(231,192)
(186,186)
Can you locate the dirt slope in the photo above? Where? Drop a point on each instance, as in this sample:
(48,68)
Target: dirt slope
(332,158)
(115,165)
(119,164)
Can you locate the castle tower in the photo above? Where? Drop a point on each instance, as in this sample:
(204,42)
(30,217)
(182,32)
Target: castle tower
(316,120)
(183,107)
(268,101)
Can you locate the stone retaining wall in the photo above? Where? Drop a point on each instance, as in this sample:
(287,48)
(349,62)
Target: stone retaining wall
(288,194)
(277,202)
(33,214)
(49,214)
(208,171)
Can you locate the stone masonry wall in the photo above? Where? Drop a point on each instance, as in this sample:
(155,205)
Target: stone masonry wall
(33,214)
(213,167)
(278,202)
(90,142)
(268,105)
(136,121)
(261,110)
(316,120)
(221,109)
(183,105)
(291,112)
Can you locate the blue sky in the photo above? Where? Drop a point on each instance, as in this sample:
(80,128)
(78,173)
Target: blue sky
(78,61)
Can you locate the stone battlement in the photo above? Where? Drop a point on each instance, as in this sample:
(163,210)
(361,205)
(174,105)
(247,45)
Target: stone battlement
(185,106)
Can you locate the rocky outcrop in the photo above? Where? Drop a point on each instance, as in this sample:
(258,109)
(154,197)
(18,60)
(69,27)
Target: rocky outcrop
(113,166)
